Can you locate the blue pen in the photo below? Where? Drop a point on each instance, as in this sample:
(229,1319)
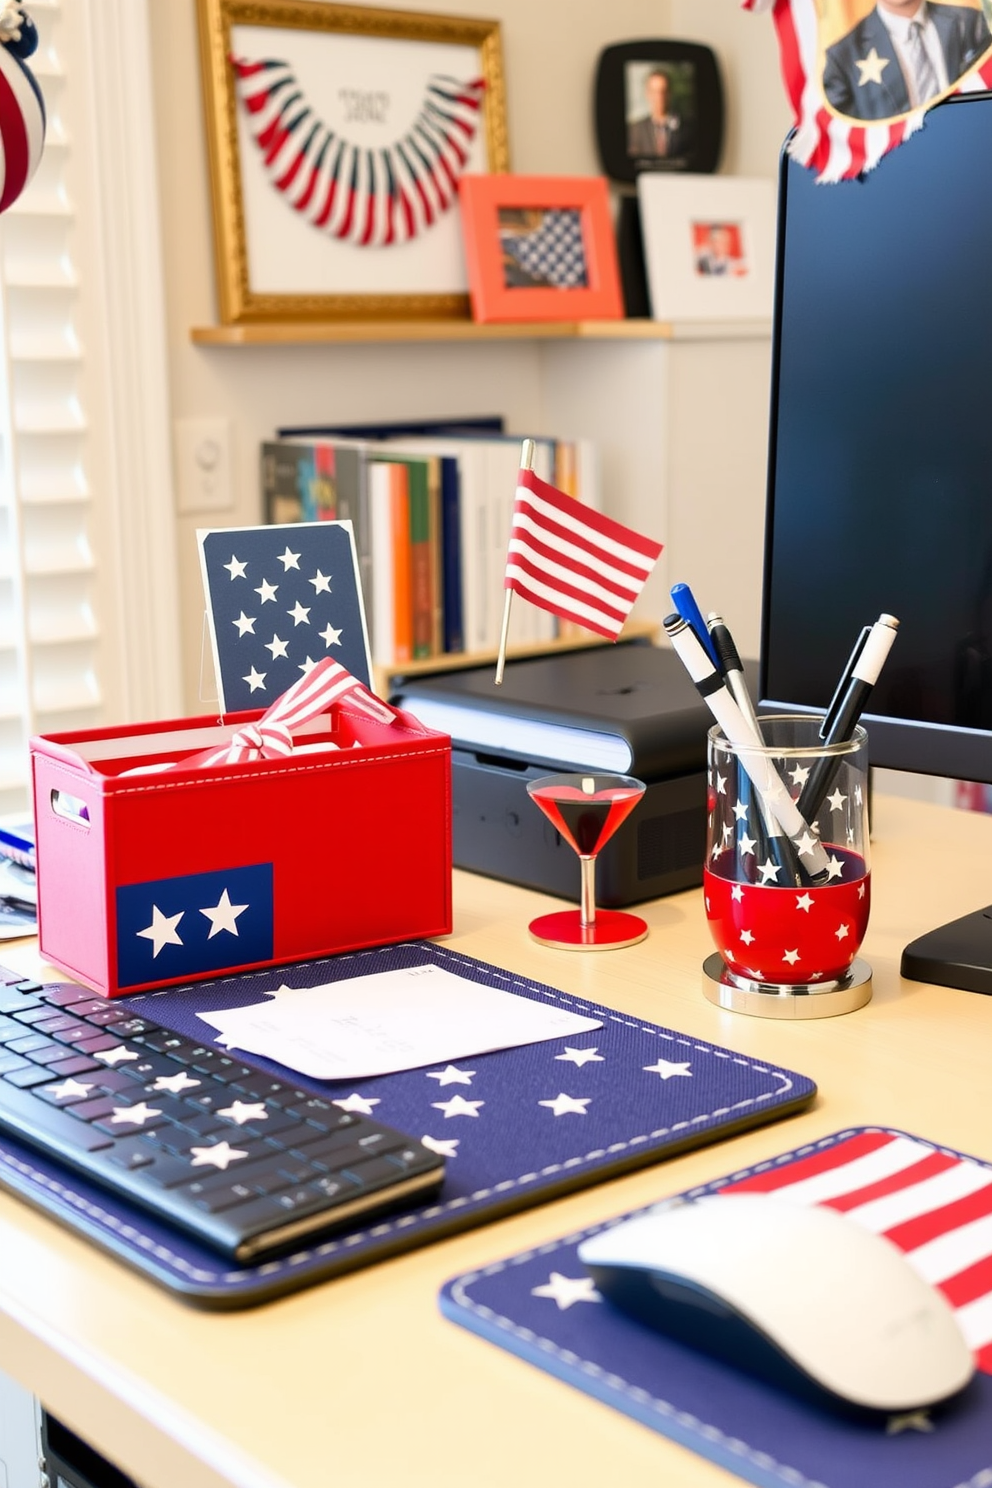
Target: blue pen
(692,615)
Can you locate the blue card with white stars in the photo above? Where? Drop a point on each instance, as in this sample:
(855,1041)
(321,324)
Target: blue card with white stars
(280,599)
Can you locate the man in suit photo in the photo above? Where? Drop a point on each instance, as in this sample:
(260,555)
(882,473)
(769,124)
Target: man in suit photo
(660,133)
(902,54)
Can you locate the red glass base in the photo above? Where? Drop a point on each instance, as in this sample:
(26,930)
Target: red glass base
(610,931)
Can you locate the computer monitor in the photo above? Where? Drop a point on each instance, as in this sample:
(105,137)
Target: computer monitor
(880,468)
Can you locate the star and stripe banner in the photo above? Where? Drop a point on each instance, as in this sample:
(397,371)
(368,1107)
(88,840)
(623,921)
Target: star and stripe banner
(576,562)
(369,197)
(22,108)
(856,87)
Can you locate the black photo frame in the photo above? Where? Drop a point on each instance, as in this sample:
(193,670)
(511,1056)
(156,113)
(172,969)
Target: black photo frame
(689,76)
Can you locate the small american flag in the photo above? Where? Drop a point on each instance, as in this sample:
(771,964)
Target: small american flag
(573,561)
(935,1206)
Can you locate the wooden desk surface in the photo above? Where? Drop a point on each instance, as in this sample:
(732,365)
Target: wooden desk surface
(360,1383)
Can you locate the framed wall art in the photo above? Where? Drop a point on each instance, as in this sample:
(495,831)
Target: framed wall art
(540,248)
(337,135)
(709,246)
(659,107)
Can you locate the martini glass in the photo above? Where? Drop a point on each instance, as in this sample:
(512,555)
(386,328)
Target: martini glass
(587,809)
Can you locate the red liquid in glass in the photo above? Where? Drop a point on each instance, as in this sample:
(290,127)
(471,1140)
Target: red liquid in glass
(586,821)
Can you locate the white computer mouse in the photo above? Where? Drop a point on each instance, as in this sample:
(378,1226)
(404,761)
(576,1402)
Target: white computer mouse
(799,1295)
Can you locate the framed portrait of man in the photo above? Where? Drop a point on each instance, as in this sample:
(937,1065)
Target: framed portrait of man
(659,107)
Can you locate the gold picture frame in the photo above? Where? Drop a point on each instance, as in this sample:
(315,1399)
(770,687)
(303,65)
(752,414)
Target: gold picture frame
(313,221)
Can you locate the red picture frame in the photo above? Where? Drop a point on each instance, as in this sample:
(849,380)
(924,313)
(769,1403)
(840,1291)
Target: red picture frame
(521,236)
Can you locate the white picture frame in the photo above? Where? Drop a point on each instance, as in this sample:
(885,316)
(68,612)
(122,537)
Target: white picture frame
(709,246)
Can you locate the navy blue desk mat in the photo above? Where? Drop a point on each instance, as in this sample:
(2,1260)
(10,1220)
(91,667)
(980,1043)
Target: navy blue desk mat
(638,1093)
(542,1306)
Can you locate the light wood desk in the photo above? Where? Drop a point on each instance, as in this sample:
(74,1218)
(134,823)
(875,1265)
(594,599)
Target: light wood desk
(360,1383)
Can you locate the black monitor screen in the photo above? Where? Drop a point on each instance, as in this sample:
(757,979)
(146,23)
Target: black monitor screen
(880,479)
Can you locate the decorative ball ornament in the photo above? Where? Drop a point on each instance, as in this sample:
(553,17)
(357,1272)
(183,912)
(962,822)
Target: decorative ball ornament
(22,108)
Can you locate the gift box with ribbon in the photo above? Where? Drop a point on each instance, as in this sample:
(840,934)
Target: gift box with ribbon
(179,850)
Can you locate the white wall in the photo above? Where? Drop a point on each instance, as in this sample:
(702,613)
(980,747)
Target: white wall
(550,50)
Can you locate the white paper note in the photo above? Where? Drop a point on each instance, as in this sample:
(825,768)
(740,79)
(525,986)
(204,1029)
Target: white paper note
(392,1020)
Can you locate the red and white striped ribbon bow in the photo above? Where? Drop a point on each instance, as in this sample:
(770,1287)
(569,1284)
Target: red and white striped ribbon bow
(271,736)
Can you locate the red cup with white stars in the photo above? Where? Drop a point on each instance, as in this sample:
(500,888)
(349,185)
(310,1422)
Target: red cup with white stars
(786,882)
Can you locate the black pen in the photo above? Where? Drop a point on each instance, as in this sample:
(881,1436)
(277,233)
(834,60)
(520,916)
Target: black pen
(732,668)
(848,704)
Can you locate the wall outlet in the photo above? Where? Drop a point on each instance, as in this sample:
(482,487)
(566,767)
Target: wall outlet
(203,465)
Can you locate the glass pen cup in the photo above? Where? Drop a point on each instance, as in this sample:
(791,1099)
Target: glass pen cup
(786,880)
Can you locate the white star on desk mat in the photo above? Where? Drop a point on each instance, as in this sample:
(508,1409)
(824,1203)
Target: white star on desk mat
(360,1104)
(567,1290)
(564,1105)
(443,1146)
(218,1156)
(580,1057)
(457,1106)
(667,1068)
(451,1075)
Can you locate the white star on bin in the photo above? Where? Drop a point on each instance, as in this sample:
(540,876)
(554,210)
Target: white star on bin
(300,614)
(267,592)
(135,1115)
(451,1075)
(276,646)
(175,1084)
(235,568)
(457,1106)
(791,956)
(330,636)
(567,1290)
(804,902)
(321,583)
(861,891)
(162,930)
(443,1146)
(289,560)
(255,679)
(747,936)
(242,1111)
(667,1069)
(842,932)
(223,916)
(360,1104)
(219,1156)
(565,1105)
(737,893)
(245,624)
(580,1057)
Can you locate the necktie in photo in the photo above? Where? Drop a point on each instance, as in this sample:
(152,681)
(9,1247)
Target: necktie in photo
(925,80)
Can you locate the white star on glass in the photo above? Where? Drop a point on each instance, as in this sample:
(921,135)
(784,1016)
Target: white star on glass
(223,916)
(837,800)
(235,568)
(861,891)
(804,902)
(717,849)
(567,1290)
(580,1057)
(276,646)
(799,775)
(70,1088)
(842,932)
(119,1054)
(135,1115)
(255,679)
(457,1106)
(804,844)
(834,867)
(791,956)
(162,930)
(242,1111)
(857,795)
(565,1105)
(747,844)
(321,583)
(443,1146)
(740,811)
(850,836)
(267,592)
(360,1104)
(737,893)
(769,871)
(175,1084)
(306,666)
(218,1156)
(728,830)
(451,1075)
(289,560)
(245,624)
(330,636)
(300,614)
(667,1069)
(721,784)
(747,936)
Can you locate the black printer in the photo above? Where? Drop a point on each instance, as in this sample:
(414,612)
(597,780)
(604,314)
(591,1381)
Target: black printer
(625,709)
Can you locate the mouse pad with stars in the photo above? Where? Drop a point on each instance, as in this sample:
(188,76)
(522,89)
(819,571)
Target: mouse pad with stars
(516,1127)
(935,1204)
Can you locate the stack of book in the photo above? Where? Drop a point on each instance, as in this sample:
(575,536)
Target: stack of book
(431,506)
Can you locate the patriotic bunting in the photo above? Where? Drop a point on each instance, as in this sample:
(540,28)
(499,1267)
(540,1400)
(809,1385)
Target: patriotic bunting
(860,76)
(369,197)
(22,109)
(571,560)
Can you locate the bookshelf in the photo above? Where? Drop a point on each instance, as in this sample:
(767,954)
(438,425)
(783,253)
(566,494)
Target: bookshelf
(343,332)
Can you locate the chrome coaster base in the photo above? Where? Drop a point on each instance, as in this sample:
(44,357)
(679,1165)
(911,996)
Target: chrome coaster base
(773,1000)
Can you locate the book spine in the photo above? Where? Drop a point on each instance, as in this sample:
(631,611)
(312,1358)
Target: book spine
(421,598)
(380,489)
(451,555)
(402,565)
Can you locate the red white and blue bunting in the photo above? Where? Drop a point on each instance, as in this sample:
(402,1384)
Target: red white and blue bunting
(369,197)
(22,109)
(841,145)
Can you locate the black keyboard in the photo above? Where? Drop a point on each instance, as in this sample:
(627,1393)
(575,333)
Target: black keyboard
(247,1163)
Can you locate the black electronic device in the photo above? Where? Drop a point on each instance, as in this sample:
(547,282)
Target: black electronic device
(881,461)
(248,1164)
(625,709)
(659,106)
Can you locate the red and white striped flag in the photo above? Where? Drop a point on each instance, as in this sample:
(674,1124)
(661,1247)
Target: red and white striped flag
(935,1206)
(571,560)
(849,97)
